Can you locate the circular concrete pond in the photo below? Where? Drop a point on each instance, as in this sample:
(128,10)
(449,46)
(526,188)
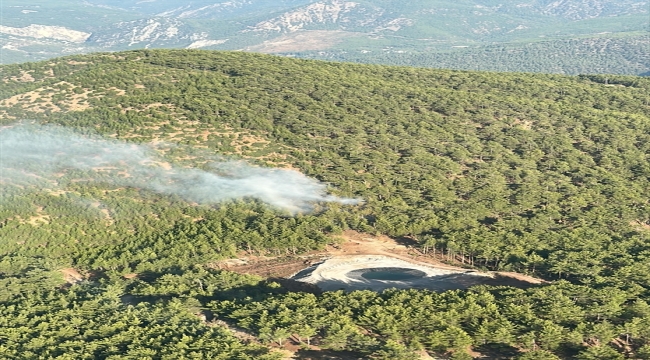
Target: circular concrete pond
(387,274)
(380,272)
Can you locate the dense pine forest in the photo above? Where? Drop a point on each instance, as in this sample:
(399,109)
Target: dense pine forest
(545,175)
(624,55)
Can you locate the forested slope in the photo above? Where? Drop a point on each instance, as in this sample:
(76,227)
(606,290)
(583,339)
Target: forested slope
(592,55)
(540,174)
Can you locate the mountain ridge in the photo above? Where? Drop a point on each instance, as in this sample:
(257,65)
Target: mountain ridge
(416,27)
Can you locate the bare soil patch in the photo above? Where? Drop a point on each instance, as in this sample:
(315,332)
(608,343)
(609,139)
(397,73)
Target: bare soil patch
(71,276)
(39,219)
(229,141)
(25,76)
(356,243)
(56,98)
(381,272)
(42,99)
(641,225)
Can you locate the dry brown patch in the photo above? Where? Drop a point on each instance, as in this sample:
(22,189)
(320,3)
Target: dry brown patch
(351,243)
(523,124)
(39,219)
(42,99)
(242,139)
(107,217)
(241,143)
(71,276)
(640,225)
(424,355)
(131,136)
(521,277)
(279,160)
(205,134)
(27,76)
(119,92)
(24,76)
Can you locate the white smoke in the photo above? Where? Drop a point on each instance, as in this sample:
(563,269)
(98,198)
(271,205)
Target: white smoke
(39,155)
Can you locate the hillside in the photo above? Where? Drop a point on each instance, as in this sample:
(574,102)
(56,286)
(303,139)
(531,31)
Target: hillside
(598,55)
(390,32)
(118,204)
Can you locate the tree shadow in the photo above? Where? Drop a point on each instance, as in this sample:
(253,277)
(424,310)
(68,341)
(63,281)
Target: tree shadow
(406,241)
(438,283)
(296,286)
(150,276)
(265,289)
(326,355)
(497,351)
(260,291)
(242,294)
(503,280)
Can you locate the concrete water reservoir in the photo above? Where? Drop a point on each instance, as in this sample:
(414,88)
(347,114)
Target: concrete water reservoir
(379,272)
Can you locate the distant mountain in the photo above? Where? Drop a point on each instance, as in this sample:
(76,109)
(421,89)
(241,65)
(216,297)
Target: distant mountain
(37,30)
(199,9)
(588,9)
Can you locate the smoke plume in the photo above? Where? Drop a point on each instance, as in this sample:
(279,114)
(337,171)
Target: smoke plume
(41,155)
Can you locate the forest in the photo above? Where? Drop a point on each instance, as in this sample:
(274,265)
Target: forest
(541,174)
(623,55)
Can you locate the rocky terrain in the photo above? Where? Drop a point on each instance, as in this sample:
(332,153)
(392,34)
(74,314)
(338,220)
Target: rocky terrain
(33,31)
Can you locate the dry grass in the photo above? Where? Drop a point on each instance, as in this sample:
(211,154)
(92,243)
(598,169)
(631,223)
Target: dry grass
(240,143)
(71,276)
(640,225)
(42,99)
(57,192)
(25,76)
(36,220)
